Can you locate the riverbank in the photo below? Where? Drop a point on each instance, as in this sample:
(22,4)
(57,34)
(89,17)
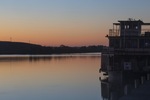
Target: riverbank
(21,48)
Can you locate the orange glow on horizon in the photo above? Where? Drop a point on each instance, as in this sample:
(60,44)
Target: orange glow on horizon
(68,22)
(54,35)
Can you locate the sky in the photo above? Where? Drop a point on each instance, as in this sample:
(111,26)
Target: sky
(67,22)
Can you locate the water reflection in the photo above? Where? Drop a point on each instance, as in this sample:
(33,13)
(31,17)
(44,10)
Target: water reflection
(119,84)
(47,57)
(53,77)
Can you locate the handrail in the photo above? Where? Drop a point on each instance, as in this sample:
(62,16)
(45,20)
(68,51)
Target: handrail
(113,32)
(116,32)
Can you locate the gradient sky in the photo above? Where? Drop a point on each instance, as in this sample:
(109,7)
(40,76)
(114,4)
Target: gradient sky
(68,22)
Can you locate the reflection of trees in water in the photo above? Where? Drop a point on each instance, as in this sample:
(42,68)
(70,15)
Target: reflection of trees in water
(118,84)
(7,59)
(34,58)
(39,58)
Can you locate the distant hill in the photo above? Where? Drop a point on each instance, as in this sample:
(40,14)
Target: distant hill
(20,48)
(7,47)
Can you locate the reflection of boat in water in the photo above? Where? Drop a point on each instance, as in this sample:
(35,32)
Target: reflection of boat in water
(127,59)
(119,84)
(112,88)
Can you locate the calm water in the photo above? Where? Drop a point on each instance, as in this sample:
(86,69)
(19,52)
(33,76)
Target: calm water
(57,77)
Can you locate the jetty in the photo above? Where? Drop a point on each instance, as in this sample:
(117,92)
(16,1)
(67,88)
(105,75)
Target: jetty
(126,60)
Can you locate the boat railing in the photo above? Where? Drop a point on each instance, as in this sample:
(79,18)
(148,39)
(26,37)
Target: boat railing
(132,51)
(107,50)
(114,32)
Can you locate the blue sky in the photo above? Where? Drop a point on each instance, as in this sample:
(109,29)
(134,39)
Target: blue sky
(85,20)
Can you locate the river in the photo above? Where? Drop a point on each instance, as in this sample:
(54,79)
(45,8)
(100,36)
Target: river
(51,77)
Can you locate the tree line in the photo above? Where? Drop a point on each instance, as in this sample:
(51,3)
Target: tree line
(27,48)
